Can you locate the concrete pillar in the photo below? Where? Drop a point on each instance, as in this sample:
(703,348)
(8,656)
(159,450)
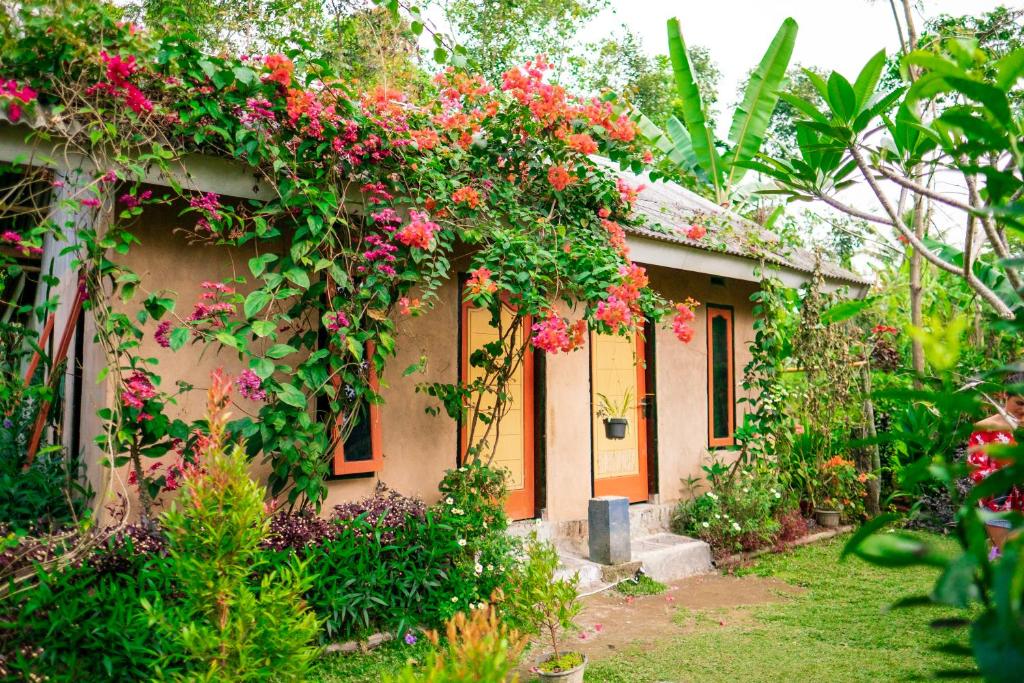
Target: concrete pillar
(608,518)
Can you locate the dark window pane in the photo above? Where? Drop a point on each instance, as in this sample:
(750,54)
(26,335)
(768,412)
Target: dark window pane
(720,377)
(358,445)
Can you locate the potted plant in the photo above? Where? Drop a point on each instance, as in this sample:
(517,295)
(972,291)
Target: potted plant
(614,414)
(838,478)
(550,607)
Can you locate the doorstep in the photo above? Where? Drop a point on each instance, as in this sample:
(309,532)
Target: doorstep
(663,557)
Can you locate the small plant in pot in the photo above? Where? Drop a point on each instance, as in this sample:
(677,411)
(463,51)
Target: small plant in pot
(837,488)
(615,414)
(549,608)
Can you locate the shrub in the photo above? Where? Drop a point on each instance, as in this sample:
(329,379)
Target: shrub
(478,648)
(473,505)
(737,513)
(641,585)
(792,526)
(220,624)
(386,510)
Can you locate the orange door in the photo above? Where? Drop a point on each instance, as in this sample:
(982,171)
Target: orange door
(617,369)
(513,447)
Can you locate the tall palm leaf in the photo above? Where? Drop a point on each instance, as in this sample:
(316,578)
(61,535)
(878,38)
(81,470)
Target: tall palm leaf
(751,119)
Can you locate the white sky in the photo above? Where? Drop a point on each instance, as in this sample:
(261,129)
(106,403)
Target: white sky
(836,35)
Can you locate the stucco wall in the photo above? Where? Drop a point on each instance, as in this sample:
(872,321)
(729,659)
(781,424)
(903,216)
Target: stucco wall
(418,447)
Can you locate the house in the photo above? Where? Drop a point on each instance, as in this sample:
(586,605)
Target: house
(552,440)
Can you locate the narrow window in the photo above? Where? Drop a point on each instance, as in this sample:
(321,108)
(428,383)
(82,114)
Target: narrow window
(360,451)
(721,384)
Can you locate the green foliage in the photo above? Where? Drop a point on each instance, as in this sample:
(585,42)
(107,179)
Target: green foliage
(78,624)
(737,512)
(368,581)
(476,648)
(539,603)
(641,585)
(973,579)
(694,138)
(218,625)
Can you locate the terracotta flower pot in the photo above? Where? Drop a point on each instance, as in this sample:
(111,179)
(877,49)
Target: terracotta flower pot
(573,675)
(828,519)
(615,427)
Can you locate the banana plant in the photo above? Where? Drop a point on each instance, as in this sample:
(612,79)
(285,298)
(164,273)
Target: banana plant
(690,145)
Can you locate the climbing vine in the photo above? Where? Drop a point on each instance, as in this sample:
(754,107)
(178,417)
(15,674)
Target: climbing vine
(360,201)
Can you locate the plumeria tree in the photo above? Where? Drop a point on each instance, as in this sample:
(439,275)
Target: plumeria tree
(367,197)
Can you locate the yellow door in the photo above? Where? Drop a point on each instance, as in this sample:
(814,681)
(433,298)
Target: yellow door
(513,447)
(620,465)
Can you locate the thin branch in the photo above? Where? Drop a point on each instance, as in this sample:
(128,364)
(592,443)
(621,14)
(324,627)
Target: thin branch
(1001,308)
(856,213)
(917,188)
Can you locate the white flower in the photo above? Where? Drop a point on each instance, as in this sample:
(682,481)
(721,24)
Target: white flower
(746,489)
(736,526)
(705,524)
(711,495)
(778,495)
(490,567)
(462,469)
(458,511)
(718,516)
(449,500)
(462,542)
(479,568)
(455,598)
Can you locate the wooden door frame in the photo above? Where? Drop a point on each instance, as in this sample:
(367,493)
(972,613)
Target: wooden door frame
(520,504)
(728,313)
(642,430)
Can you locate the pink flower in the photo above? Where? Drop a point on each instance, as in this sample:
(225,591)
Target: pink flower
(250,386)
(91,201)
(553,334)
(597,628)
(681,322)
(419,232)
(137,390)
(132,201)
(161,334)
(613,312)
(10,237)
(337,321)
(480,282)
(208,202)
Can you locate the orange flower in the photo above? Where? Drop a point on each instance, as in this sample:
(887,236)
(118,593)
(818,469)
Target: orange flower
(480,281)
(622,129)
(281,69)
(466,195)
(559,178)
(582,143)
(425,139)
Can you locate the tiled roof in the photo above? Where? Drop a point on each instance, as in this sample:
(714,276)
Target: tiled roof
(669,210)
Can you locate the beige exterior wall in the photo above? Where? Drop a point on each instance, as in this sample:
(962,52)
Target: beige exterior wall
(418,447)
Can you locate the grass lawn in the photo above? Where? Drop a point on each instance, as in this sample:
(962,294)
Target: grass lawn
(838,629)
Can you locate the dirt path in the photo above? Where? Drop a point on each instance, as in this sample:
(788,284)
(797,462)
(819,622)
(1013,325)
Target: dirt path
(610,621)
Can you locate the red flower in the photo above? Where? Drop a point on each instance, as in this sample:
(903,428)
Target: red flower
(696,232)
(884,329)
(559,178)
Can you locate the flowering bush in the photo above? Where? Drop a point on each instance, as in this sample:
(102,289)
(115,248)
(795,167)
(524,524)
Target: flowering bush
(385,511)
(840,487)
(370,193)
(738,512)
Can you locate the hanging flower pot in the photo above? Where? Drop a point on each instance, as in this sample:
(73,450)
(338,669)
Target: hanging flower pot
(615,427)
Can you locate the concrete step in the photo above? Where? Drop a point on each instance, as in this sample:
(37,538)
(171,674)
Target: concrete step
(664,557)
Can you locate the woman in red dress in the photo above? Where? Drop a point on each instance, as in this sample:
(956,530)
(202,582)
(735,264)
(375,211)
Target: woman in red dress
(998,430)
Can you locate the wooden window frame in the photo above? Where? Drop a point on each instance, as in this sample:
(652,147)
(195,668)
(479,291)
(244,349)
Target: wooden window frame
(340,467)
(725,312)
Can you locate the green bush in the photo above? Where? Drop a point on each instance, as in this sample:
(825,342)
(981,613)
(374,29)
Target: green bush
(642,585)
(80,624)
(737,513)
(220,624)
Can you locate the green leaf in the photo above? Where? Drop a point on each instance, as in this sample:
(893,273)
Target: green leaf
(289,394)
(844,310)
(262,367)
(244,74)
(258,264)
(866,530)
(256,302)
(1009,70)
(701,135)
(898,550)
(956,586)
(228,339)
(867,80)
(179,335)
(262,328)
(841,97)
(752,116)
(298,276)
(280,351)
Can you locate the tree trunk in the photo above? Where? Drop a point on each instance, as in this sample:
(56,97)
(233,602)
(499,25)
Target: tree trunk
(874,484)
(916,289)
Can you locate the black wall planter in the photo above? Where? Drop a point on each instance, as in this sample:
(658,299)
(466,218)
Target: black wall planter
(615,427)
